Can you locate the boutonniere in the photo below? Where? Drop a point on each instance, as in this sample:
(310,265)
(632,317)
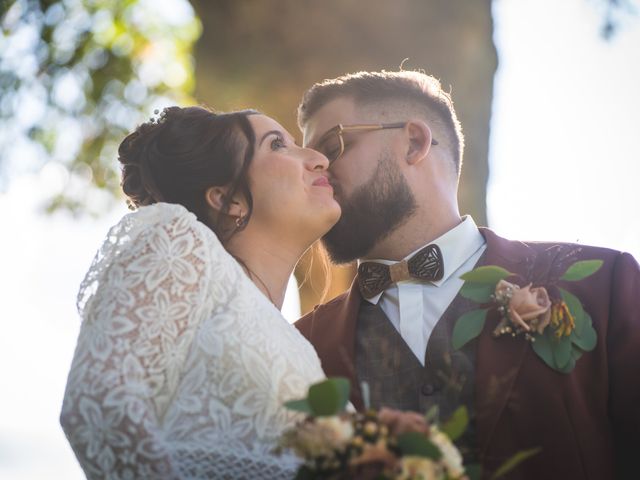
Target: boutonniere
(549,317)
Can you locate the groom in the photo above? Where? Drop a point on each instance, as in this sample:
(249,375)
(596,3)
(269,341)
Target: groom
(396,150)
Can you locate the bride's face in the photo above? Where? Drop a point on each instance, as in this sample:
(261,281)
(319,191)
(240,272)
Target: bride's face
(289,184)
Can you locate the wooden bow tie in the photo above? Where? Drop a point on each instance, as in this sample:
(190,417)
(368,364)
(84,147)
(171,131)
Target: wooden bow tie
(425,265)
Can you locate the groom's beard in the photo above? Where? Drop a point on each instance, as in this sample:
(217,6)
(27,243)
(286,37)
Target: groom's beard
(370,213)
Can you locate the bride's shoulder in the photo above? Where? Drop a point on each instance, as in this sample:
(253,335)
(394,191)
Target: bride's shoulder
(154,243)
(168,222)
(160,215)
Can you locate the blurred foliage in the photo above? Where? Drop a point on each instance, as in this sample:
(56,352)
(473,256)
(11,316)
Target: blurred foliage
(77,75)
(614,11)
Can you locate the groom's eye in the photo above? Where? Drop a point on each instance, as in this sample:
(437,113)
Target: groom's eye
(331,150)
(332,154)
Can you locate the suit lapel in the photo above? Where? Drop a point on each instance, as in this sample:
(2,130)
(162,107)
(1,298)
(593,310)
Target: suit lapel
(336,348)
(498,361)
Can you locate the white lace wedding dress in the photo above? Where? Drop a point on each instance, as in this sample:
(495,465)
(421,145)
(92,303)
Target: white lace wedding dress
(182,365)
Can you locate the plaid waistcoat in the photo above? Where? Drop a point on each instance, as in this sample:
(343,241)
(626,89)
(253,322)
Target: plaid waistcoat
(396,378)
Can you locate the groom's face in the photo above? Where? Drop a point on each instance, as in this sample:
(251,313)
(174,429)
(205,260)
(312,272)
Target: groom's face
(356,165)
(368,183)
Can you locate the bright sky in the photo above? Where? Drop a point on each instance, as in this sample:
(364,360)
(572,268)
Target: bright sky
(565,157)
(565,164)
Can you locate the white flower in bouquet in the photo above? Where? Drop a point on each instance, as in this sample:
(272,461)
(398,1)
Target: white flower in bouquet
(321,437)
(337,430)
(422,468)
(450,454)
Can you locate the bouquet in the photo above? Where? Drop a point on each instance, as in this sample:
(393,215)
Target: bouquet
(336,444)
(387,444)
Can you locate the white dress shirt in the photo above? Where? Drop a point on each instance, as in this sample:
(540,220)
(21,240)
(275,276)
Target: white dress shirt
(414,307)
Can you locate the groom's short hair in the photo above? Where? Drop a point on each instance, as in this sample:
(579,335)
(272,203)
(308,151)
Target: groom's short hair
(411,90)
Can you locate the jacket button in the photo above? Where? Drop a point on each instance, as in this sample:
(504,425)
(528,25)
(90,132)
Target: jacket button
(427,389)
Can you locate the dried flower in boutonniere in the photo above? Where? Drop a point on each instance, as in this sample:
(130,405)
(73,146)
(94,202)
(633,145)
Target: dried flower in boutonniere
(549,317)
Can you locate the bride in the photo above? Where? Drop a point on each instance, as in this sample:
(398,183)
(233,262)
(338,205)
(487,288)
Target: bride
(184,360)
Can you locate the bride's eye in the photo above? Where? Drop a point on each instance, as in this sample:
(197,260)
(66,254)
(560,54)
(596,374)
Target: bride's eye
(277,143)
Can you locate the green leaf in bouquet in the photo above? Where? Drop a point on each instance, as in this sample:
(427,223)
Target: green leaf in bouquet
(457,424)
(581,269)
(417,444)
(489,274)
(561,348)
(588,339)
(478,292)
(329,397)
(514,461)
(473,471)
(575,307)
(433,414)
(301,405)
(468,327)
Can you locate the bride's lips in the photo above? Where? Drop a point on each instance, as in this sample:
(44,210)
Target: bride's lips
(321,182)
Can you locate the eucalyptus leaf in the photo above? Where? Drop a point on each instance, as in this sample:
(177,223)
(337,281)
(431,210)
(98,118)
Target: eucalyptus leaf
(473,471)
(576,353)
(561,348)
(581,270)
(489,274)
(571,364)
(329,397)
(433,414)
(301,405)
(575,307)
(542,347)
(417,444)
(478,292)
(514,461)
(588,339)
(468,327)
(457,424)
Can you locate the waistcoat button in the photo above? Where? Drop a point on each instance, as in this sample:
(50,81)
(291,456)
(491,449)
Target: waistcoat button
(427,389)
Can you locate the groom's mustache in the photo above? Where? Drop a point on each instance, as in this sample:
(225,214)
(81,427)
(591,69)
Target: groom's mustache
(337,191)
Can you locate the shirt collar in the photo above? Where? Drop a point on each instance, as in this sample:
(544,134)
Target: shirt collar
(457,246)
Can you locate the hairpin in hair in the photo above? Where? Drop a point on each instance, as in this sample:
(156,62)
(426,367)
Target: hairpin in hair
(157,116)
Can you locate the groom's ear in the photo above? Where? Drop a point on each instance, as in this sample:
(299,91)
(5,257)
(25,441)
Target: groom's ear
(420,137)
(216,198)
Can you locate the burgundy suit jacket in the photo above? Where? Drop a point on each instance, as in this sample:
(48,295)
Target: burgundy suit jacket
(587,422)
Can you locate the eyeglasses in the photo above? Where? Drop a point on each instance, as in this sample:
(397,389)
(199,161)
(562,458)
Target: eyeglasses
(332,142)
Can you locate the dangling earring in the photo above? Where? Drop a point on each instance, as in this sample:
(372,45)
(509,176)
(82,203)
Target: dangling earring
(240,221)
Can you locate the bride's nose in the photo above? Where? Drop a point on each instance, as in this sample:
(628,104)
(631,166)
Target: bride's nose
(315,160)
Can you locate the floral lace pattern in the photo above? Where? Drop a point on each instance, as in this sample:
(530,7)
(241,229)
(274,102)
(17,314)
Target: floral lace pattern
(182,365)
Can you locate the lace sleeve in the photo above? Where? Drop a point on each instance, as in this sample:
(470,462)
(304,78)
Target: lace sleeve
(140,303)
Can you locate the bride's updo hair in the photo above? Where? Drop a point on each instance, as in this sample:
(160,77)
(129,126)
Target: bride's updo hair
(177,157)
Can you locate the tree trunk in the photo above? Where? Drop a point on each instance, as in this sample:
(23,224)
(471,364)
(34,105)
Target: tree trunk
(265,54)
